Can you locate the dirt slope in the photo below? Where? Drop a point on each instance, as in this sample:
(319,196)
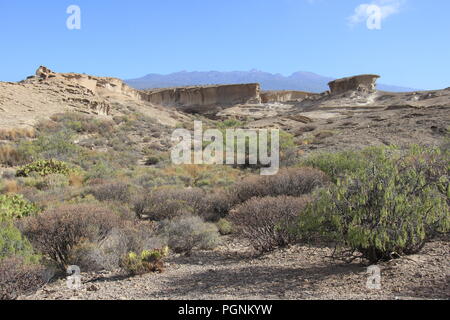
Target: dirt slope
(354,119)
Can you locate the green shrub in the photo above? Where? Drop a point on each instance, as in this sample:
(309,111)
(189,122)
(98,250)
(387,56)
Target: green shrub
(79,123)
(45,168)
(55,145)
(186,233)
(267,222)
(14,206)
(390,207)
(225,227)
(230,123)
(100,170)
(12,243)
(287,149)
(195,176)
(53,181)
(145,262)
(56,181)
(336,165)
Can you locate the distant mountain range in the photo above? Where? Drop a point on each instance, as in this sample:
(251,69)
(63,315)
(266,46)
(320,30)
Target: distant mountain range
(302,81)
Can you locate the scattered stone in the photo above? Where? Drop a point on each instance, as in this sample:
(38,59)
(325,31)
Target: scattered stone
(92,287)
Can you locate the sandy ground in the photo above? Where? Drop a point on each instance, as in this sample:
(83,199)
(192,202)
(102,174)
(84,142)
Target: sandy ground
(299,272)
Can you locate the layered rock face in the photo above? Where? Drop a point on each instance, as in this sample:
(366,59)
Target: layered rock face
(101,86)
(365,82)
(283,96)
(40,96)
(84,89)
(204,96)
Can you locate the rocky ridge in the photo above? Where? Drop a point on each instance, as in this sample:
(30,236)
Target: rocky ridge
(38,97)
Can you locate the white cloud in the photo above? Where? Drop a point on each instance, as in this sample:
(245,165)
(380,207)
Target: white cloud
(387,8)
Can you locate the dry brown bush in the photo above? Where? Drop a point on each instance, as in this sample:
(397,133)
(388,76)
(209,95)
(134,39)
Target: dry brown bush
(218,204)
(293,182)
(18,277)
(9,155)
(167,203)
(16,134)
(76,180)
(112,191)
(107,254)
(58,231)
(11,186)
(267,222)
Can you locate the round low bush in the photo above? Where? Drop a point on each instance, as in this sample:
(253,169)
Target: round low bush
(225,227)
(267,222)
(14,206)
(168,203)
(45,168)
(186,233)
(145,262)
(58,231)
(293,182)
(111,191)
(19,277)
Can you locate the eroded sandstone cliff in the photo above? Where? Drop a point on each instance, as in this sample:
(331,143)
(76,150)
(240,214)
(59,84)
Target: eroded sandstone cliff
(201,97)
(283,96)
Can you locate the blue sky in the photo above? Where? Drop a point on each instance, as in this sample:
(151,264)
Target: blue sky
(129,39)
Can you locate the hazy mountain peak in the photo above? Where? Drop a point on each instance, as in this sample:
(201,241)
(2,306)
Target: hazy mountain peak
(300,80)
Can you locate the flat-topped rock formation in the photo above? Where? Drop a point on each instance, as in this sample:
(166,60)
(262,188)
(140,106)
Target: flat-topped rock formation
(204,98)
(283,96)
(365,82)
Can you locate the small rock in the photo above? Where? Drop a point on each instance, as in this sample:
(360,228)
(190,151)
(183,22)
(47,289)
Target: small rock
(92,287)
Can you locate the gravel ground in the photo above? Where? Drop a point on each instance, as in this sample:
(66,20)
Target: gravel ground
(299,272)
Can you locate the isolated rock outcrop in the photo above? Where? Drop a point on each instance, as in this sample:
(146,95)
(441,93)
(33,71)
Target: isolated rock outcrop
(44,73)
(365,82)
